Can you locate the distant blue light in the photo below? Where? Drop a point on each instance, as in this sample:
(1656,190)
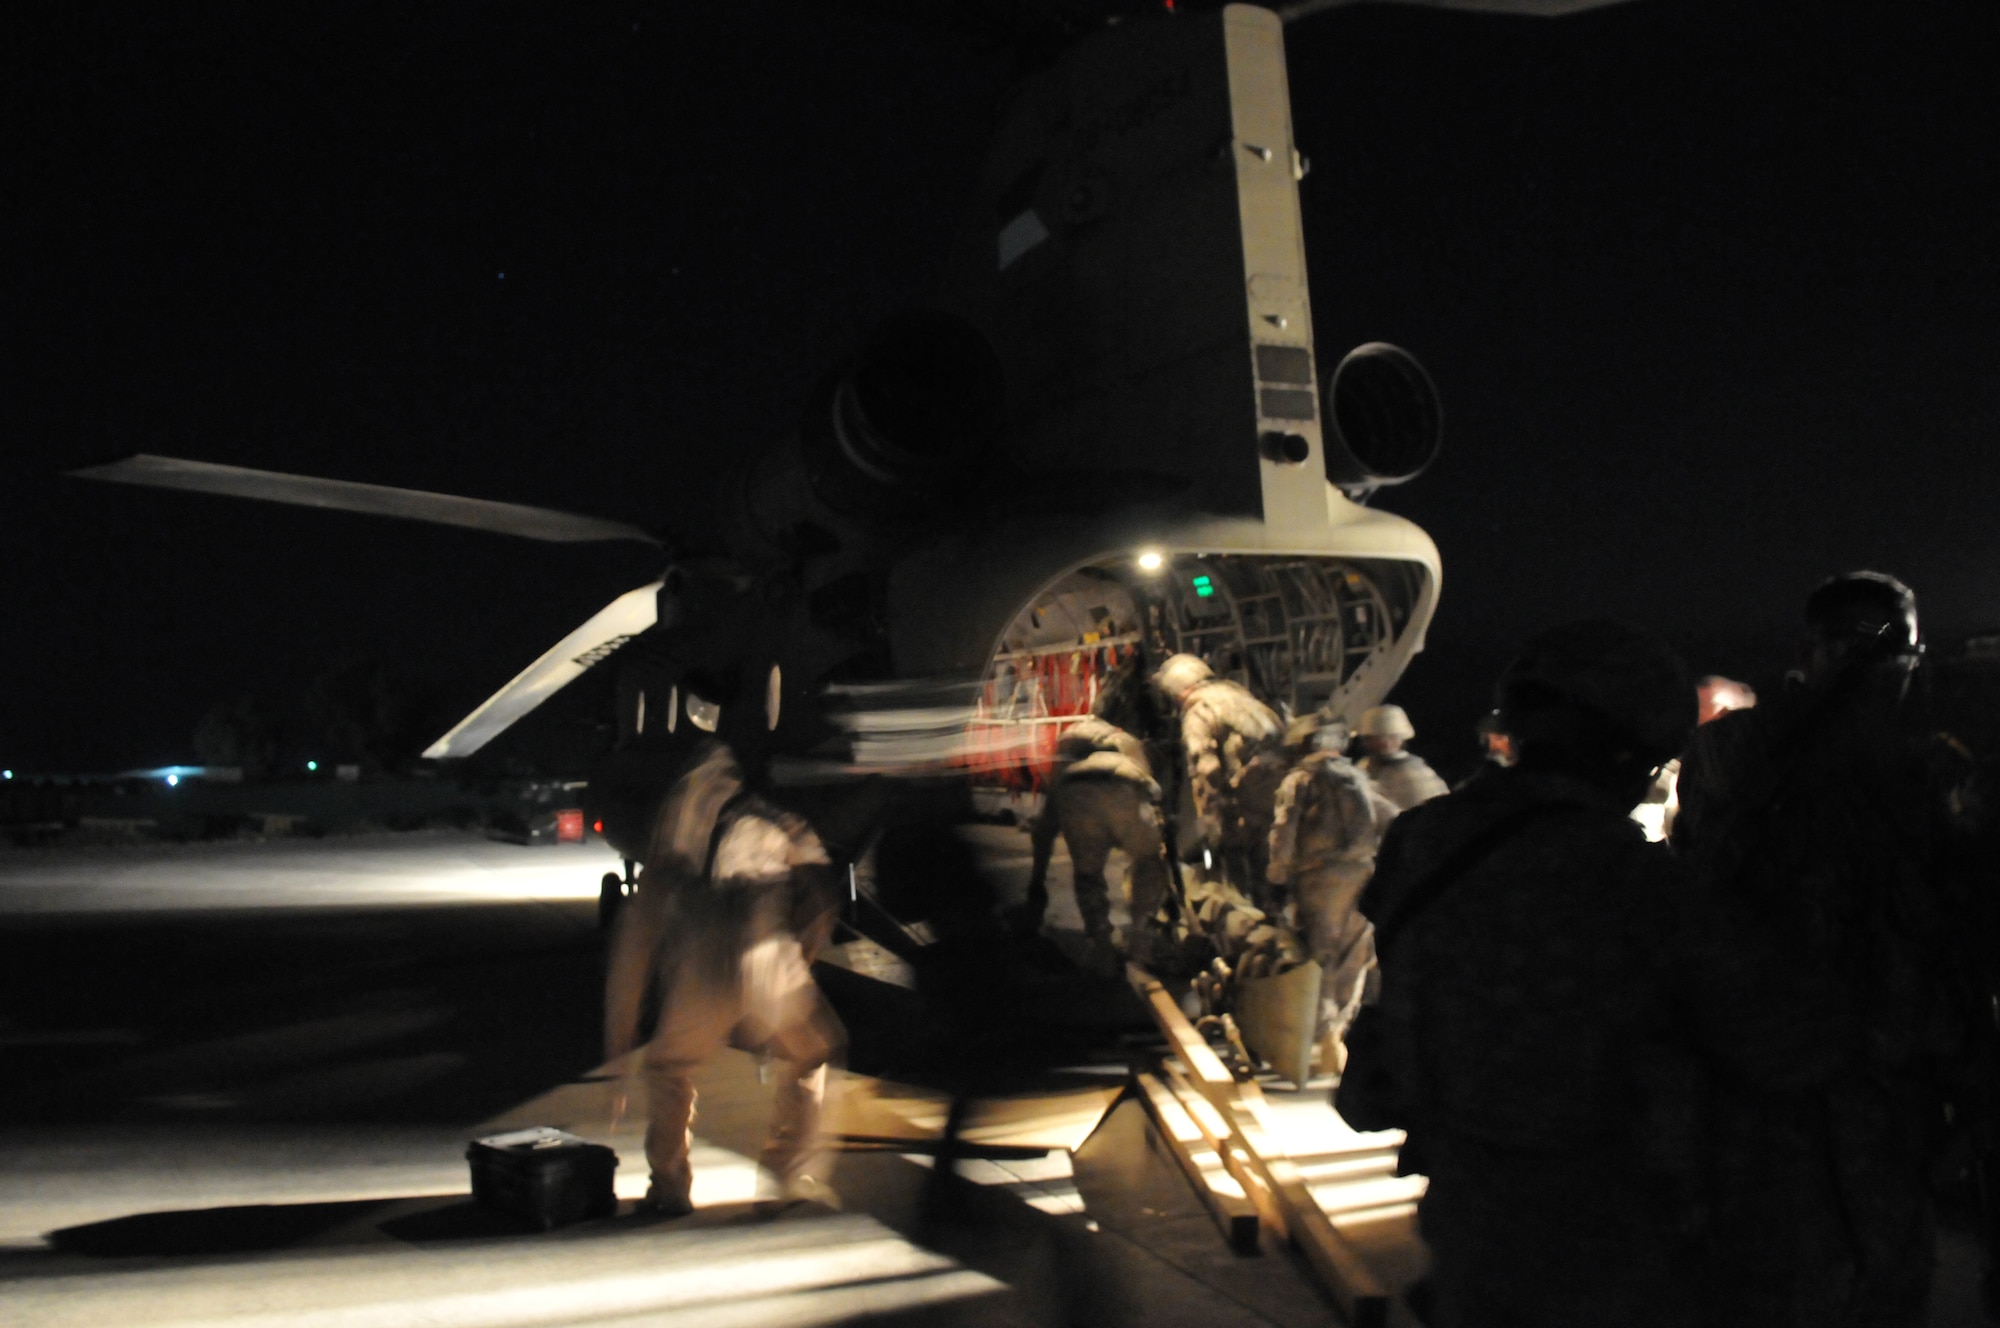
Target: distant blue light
(173,781)
(312,765)
(6,774)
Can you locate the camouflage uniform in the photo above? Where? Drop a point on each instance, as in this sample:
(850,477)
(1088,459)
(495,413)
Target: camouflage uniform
(1404,778)
(1102,797)
(1235,763)
(1327,823)
(1813,823)
(1527,1044)
(731,907)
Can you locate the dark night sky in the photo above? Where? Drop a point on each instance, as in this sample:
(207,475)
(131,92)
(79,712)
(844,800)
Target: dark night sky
(1710,294)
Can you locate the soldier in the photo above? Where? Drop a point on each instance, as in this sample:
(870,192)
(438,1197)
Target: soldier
(1102,796)
(1405,778)
(1328,821)
(1526,1032)
(1235,762)
(1818,824)
(734,901)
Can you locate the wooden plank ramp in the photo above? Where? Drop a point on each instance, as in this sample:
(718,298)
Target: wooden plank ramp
(1231,1120)
(1192,1147)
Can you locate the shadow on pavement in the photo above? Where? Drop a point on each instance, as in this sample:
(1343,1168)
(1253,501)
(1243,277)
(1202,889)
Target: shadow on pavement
(432,1219)
(463,1220)
(246,1229)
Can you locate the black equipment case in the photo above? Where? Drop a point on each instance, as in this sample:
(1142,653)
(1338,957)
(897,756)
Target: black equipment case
(543,1176)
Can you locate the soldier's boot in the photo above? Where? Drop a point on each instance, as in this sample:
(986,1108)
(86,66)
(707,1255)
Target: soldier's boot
(1147,942)
(795,1153)
(1093,901)
(670,1096)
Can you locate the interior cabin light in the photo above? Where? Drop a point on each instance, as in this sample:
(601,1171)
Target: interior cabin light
(1204,587)
(1151,561)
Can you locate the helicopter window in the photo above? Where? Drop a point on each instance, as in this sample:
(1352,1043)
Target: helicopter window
(704,715)
(773,697)
(673,707)
(639,718)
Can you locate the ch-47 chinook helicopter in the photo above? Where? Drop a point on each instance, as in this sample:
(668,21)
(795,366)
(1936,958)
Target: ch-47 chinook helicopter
(1112,433)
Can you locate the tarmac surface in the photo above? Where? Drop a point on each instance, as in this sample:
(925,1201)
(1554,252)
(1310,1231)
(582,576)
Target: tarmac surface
(239,1079)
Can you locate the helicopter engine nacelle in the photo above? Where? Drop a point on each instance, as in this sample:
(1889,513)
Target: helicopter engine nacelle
(903,422)
(883,438)
(1385,417)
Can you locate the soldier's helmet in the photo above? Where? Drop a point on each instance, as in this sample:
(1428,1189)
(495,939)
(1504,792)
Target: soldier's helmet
(1628,679)
(1865,615)
(1180,675)
(1386,721)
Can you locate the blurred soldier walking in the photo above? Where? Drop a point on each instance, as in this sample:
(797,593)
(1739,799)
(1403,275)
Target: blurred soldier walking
(1405,778)
(1328,822)
(1818,822)
(1235,762)
(1525,1035)
(1103,796)
(734,900)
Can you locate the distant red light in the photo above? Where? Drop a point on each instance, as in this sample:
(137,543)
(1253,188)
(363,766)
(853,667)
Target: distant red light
(597,827)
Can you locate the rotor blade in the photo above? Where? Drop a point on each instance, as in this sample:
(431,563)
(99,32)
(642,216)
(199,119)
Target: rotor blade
(1543,8)
(563,663)
(375,499)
